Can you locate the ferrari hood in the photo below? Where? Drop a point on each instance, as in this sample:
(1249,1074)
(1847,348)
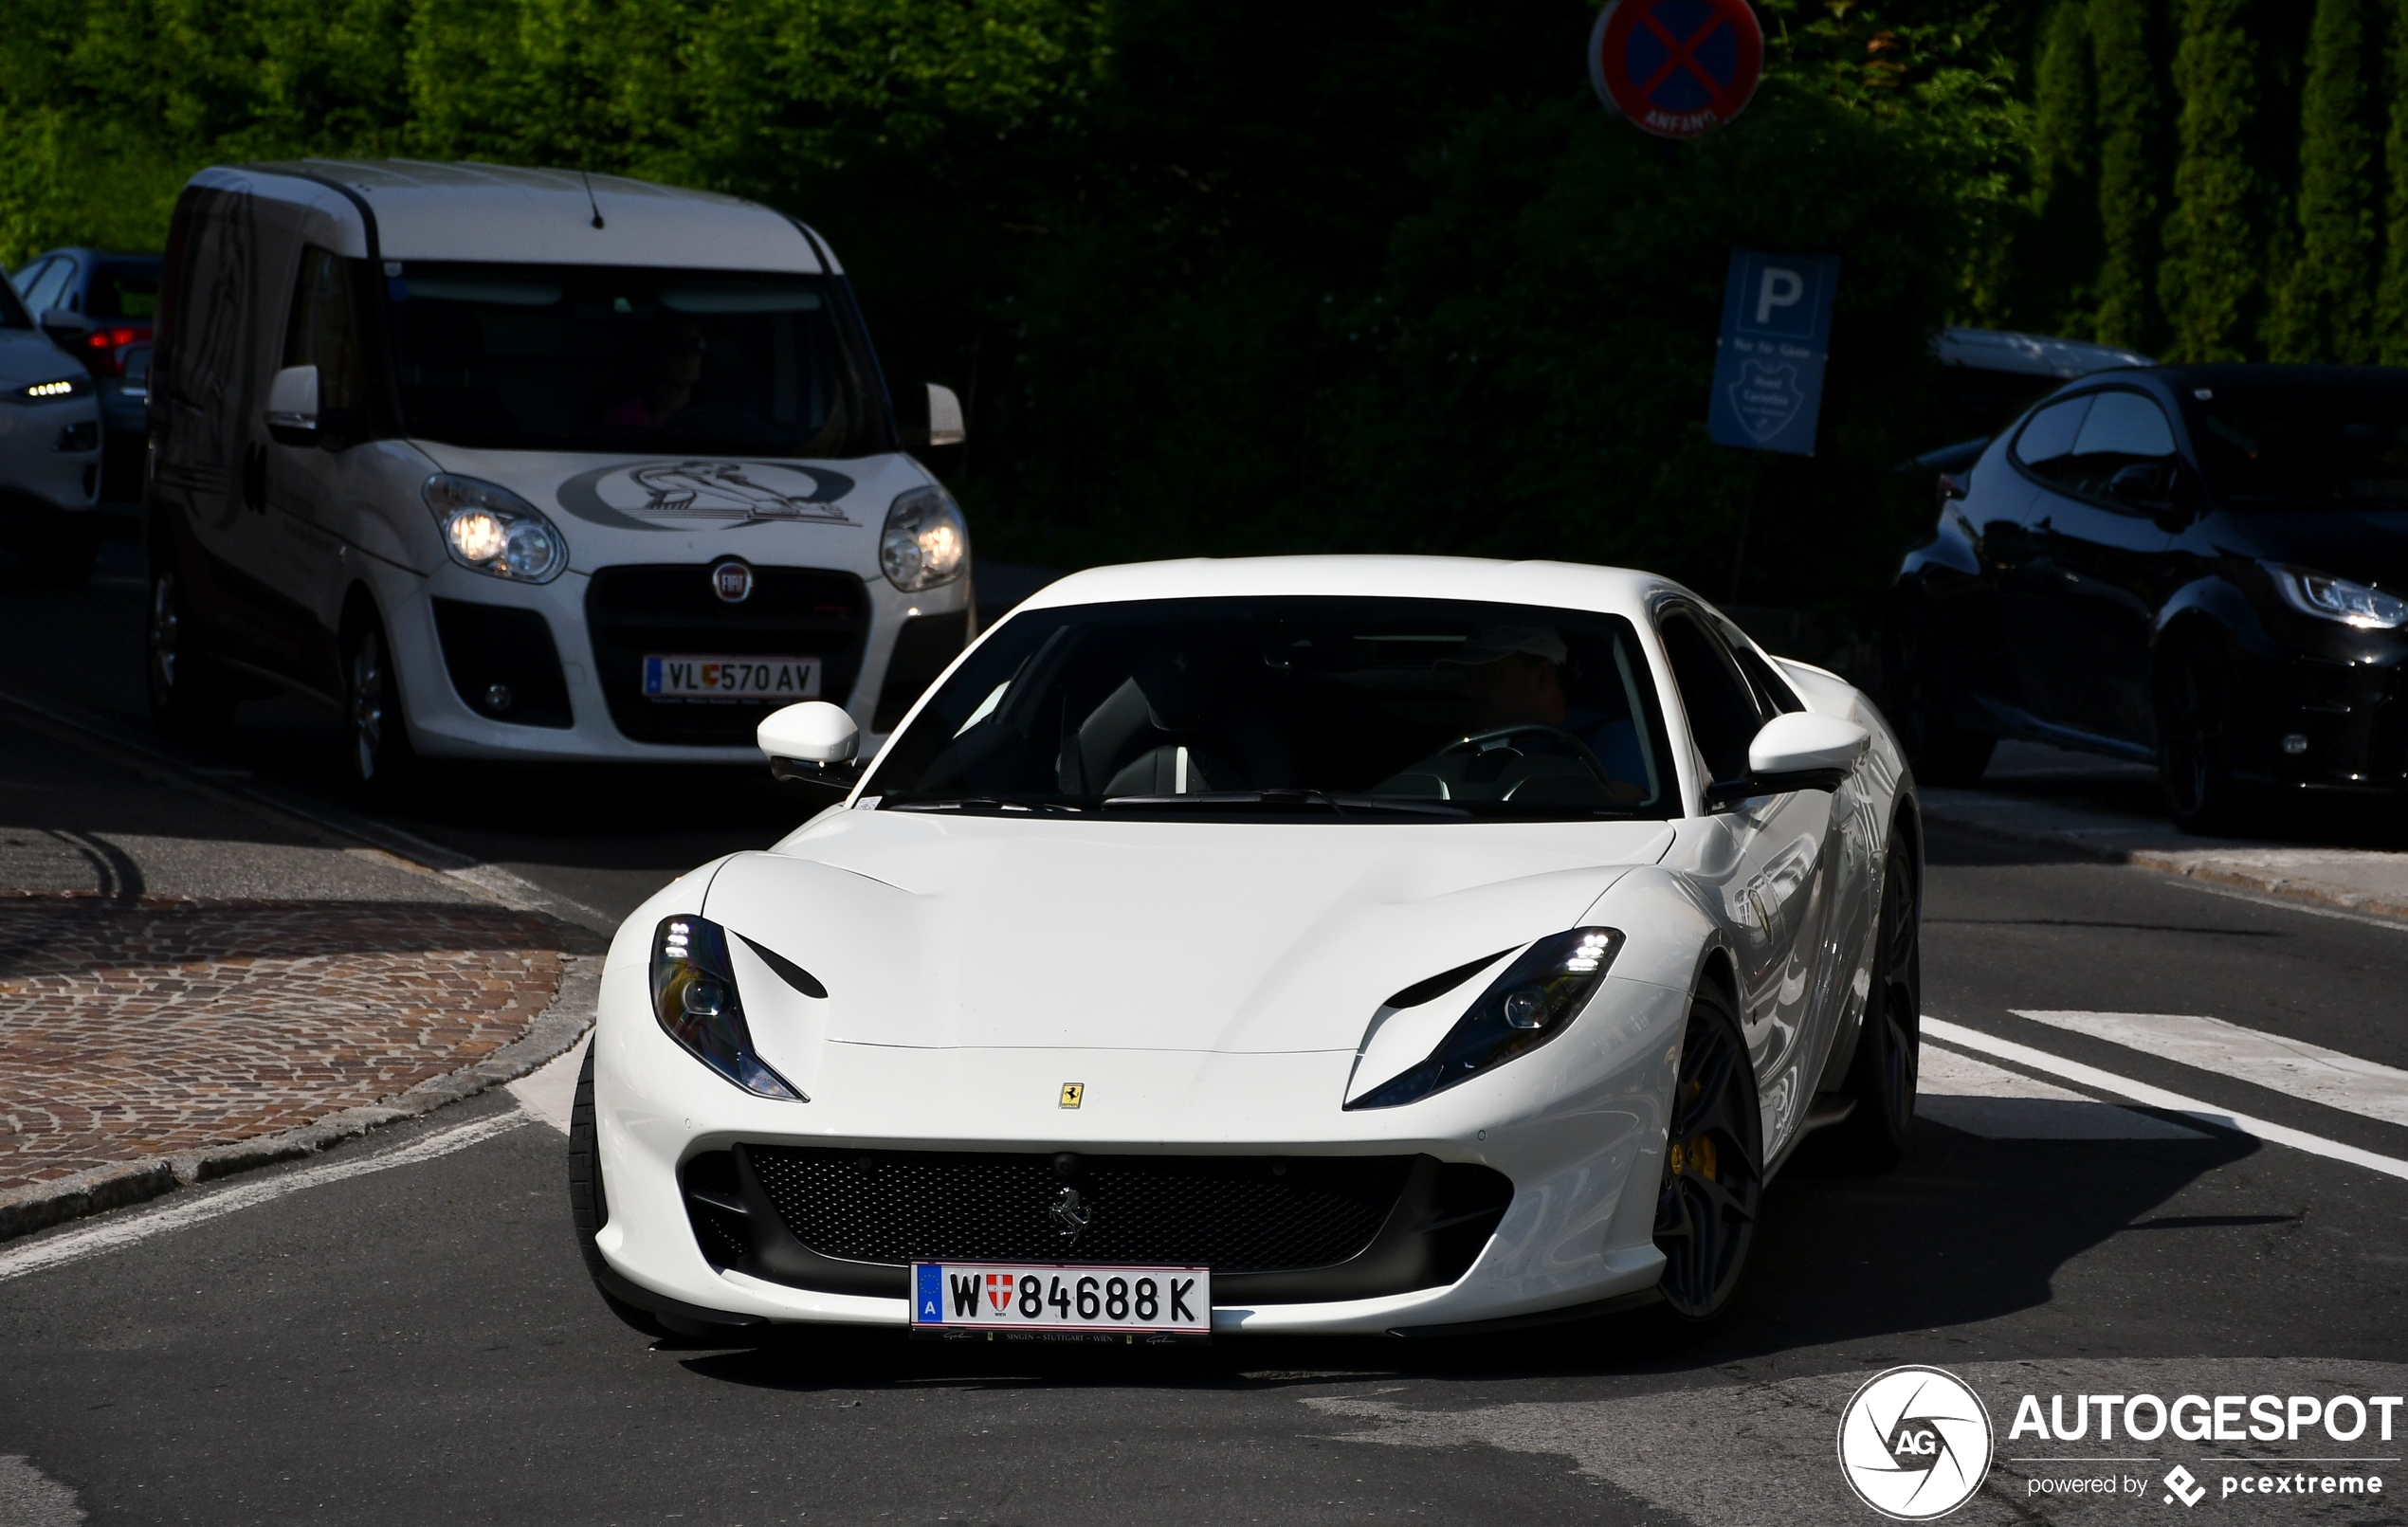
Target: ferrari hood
(1244,938)
(616,509)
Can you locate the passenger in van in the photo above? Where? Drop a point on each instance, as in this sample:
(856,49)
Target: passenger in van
(672,364)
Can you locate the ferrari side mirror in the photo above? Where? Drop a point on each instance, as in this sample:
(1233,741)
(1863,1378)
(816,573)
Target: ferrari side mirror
(809,742)
(1797,751)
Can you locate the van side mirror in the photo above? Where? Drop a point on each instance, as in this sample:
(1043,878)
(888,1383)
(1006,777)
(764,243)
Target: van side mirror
(813,742)
(930,416)
(1796,751)
(292,406)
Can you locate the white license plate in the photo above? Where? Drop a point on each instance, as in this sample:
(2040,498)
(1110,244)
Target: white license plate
(963,1298)
(705,678)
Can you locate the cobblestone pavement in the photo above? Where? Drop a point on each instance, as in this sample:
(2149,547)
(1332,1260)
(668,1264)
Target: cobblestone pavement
(164,1025)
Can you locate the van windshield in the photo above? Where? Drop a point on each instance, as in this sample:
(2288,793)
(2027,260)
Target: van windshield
(609,359)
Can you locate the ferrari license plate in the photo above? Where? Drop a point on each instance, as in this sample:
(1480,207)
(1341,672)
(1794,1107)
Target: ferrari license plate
(708,678)
(1045,1301)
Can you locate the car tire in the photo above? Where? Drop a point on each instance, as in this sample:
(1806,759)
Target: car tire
(190,697)
(1713,1181)
(376,740)
(62,558)
(1922,709)
(2198,719)
(1882,1074)
(589,1206)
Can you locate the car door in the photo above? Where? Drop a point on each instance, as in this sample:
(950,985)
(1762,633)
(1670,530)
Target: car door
(310,487)
(1765,862)
(2099,538)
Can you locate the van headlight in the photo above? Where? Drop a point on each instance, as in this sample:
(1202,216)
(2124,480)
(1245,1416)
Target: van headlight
(694,997)
(490,529)
(927,541)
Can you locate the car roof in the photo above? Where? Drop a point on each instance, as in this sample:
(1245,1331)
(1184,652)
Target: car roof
(417,210)
(1560,585)
(2029,355)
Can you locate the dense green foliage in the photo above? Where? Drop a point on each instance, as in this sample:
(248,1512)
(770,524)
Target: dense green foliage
(1235,274)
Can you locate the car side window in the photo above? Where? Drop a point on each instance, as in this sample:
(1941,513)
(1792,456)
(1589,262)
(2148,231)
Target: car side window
(2045,446)
(2123,429)
(22,281)
(43,295)
(324,330)
(1722,708)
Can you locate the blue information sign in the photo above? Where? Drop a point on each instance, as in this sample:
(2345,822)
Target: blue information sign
(1768,368)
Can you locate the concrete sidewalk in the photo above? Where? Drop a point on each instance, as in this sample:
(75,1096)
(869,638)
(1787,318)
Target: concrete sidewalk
(2105,810)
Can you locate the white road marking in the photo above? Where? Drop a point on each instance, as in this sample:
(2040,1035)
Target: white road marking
(29,1498)
(550,1091)
(182,1212)
(1998,1104)
(2366,1088)
(2142,1092)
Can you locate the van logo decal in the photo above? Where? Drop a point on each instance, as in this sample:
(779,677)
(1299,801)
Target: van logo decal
(693,495)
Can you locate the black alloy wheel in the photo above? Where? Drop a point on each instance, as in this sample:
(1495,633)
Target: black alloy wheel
(1880,1076)
(2197,742)
(378,750)
(589,1206)
(1941,751)
(189,699)
(1713,1167)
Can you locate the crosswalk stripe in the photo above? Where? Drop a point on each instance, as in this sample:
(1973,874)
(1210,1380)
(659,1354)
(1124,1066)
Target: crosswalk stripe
(1953,1088)
(2287,1066)
(2154,1097)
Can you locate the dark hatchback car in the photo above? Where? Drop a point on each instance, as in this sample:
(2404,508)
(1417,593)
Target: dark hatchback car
(2205,567)
(98,306)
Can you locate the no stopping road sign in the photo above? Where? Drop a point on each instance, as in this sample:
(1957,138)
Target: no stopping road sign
(1676,68)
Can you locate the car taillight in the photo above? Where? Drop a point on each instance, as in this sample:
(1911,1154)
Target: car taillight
(105,349)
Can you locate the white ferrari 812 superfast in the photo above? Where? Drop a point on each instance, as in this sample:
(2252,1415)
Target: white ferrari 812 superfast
(1301,944)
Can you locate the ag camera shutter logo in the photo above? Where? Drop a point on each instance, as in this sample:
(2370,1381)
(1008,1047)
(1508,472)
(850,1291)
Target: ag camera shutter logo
(1914,1443)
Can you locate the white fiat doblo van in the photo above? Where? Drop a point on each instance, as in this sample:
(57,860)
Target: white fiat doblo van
(509,465)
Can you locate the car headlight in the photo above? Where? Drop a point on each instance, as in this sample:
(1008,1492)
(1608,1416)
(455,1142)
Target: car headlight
(2338,599)
(1536,999)
(694,996)
(490,529)
(927,541)
(51,391)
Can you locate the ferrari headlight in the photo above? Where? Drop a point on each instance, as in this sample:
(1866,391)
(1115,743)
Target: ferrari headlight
(490,529)
(1536,999)
(2338,599)
(925,542)
(694,996)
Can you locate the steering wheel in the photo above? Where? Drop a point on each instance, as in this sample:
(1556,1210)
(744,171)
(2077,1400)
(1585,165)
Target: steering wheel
(1496,736)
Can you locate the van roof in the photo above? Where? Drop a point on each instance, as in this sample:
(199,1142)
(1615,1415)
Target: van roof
(417,210)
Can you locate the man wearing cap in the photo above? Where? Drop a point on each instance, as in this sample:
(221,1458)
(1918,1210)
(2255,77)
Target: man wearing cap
(1513,675)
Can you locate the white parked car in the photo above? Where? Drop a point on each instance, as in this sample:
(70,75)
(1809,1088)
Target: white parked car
(1313,944)
(49,450)
(515,464)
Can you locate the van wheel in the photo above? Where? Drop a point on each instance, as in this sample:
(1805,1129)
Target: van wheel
(378,748)
(190,697)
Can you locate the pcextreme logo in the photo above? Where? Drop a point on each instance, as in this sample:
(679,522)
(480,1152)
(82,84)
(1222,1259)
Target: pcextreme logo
(1914,1443)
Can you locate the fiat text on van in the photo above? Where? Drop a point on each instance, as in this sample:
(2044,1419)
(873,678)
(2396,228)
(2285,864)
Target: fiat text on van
(516,464)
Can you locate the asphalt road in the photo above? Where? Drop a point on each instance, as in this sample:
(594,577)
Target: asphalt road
(401,1331)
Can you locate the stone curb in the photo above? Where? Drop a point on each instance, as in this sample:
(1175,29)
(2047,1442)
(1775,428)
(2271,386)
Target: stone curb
(551,1034)
(2097,835)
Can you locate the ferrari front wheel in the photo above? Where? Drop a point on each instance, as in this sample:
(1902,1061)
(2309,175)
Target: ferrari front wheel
(1713,1180)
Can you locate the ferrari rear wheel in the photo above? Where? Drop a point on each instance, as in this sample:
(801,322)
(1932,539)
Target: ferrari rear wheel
(1713,1167)
(1889,1056)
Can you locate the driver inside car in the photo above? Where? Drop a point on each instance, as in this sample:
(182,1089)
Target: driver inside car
(673,363)
(1518,676)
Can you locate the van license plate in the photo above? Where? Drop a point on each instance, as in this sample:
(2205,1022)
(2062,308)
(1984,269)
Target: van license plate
(1055,1302)
(706,678)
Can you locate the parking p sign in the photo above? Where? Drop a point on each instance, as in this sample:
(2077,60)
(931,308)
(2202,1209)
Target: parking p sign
(1768,367)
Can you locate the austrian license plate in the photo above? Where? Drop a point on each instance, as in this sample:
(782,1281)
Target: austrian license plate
(705,678)
(1044,1301)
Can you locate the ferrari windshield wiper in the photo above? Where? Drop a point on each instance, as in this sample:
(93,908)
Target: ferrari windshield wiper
(1284,799)
(982,802)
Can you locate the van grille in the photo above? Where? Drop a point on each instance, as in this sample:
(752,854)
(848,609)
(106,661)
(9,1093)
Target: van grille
(634,611)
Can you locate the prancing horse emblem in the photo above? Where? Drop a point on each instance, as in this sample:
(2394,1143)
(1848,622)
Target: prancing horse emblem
(1070,1212)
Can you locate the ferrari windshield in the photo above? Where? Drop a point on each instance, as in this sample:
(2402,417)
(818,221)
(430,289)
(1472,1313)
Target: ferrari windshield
(1386,709)
(2336,446)
(604,357)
